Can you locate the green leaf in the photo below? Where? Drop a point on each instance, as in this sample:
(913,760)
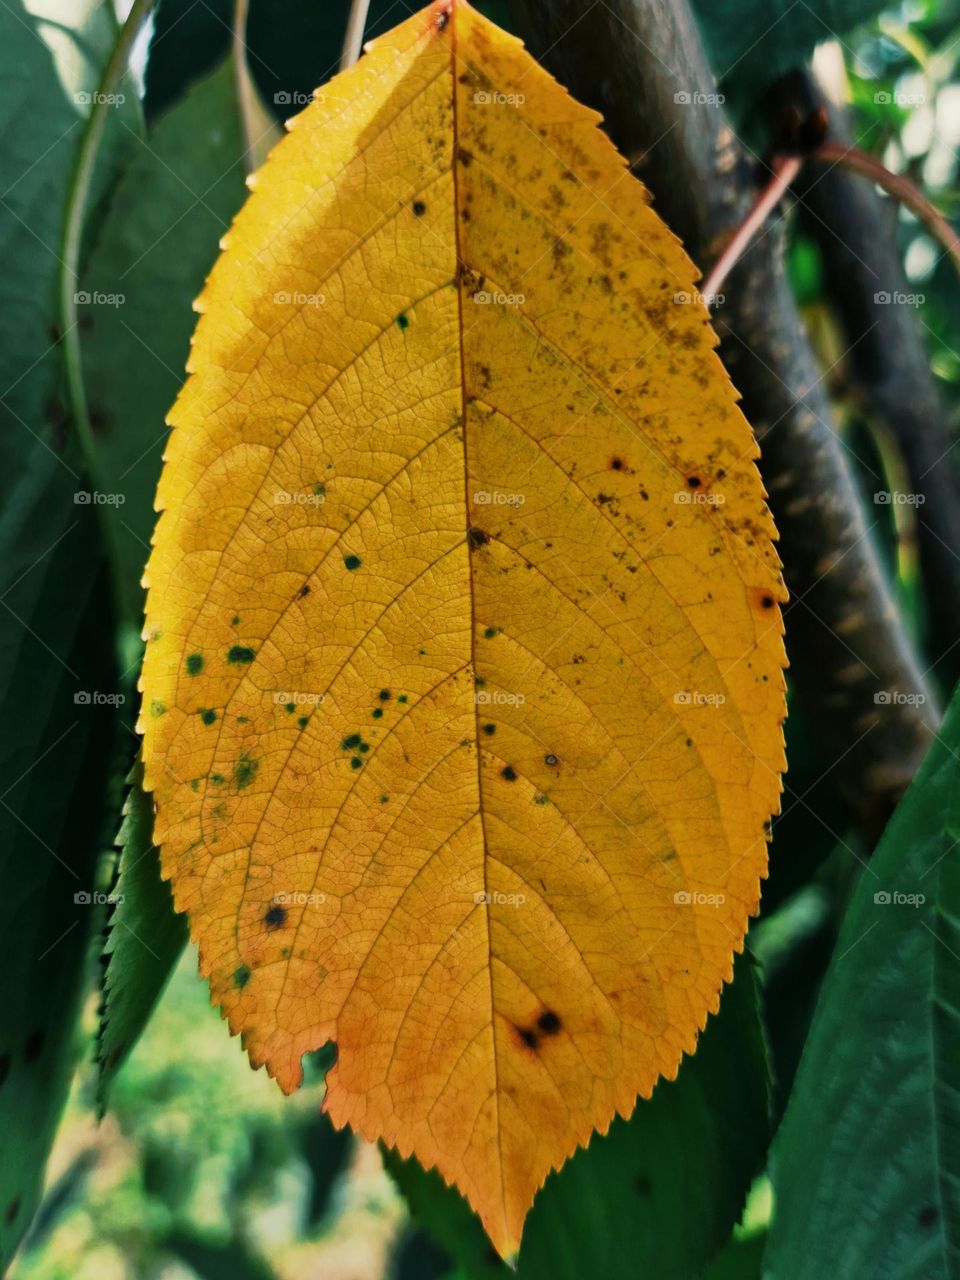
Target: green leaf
(157,241)
(145,936)
(55,639)
(657,1195)
(867,1162)
(740,1260)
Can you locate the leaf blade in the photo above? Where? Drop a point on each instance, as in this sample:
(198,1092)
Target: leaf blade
(145,936)
(390,355)
(656,1195)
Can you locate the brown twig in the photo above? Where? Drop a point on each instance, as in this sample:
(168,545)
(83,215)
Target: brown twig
(901,188)
(785,170)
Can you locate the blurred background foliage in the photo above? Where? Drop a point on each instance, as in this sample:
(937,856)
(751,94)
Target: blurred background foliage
(201,1170)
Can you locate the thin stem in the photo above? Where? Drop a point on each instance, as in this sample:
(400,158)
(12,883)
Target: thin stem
(785,170)
(894,184)
(353,41)
(245,87)
(70,244)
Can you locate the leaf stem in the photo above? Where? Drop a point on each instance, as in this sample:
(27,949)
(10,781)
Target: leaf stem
(70,244)
(785,170)
(244,83)
(353,41)
(902,189)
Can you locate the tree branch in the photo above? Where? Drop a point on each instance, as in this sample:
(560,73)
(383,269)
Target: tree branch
(888,368)
(641,63)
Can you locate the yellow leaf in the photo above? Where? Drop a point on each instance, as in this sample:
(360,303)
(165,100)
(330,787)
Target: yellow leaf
(463,688)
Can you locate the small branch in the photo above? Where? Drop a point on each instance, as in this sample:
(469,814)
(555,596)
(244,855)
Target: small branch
(353,41)
(78,194)
(902,189)
(785,169)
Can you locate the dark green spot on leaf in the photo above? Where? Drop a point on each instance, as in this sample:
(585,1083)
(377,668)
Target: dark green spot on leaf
(245,770)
